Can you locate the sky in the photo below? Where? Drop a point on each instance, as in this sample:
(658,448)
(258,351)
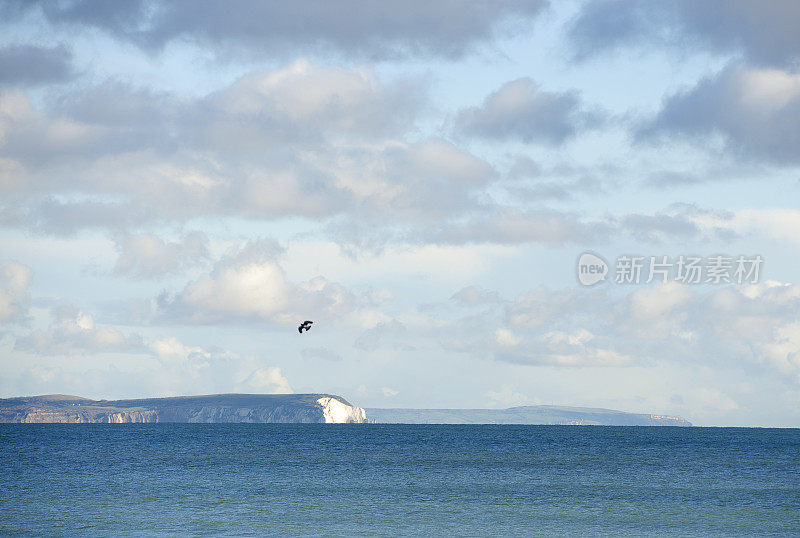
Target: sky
(183,183)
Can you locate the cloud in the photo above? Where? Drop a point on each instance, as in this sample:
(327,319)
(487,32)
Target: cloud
(681,221)
(559,348)
(756,111)
(475,296)
(28,65)
(507,396)
(320,353)
(59,217)
(763,32)
(303,98)
(436,159)
(749,328)
(267,380)
(160,367)
(519,110)
(659,225)
(384,334)
(74,332)
(300,141)
(526,179)
(149,256)
(15,279)
(507,226)
(506,337)
(190,362)
(368,29)
(251,285)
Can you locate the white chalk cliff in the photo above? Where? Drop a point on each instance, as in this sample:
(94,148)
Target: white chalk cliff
(336,412)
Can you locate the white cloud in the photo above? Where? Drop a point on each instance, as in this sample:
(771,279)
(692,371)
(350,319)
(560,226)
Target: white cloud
(267,380)
(559,348)
(749,328)
(15,279)
(73,331)
(248,289)
(250,284)
(506,338)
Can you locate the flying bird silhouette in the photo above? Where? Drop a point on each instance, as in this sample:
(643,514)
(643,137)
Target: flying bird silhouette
(305,325)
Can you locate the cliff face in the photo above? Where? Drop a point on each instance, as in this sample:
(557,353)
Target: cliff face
(335,411)
(214,408)
(83,417)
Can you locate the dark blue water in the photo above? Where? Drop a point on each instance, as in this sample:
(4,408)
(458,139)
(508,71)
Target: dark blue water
(165,479)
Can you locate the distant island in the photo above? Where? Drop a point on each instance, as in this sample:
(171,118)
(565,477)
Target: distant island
(299,408)
(532,414)
(324,408)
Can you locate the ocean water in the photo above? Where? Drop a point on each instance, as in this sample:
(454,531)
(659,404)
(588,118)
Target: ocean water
(312,479)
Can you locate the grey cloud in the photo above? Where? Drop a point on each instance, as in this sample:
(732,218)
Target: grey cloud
(65,218)
(652,227)
(554,190)
(756,111)
(528,180)
(272,144)
(149,256)
(119,106)
(474,224)
(384,334)
(475,296)
(301,106)
(677,222)
(524,167)
(499,225)
(30,65)
(322,353)
(509,227)
(520,110)
(541,306)
(437,159)
(299,141)
(764,32)
(724,171)
(673,178)
(371,28)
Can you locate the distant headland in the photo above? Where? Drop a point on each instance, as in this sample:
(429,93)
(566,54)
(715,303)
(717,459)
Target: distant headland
(324,408)
(299,408)
(531,414)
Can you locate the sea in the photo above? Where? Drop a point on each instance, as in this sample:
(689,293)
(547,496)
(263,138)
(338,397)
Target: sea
(393,480)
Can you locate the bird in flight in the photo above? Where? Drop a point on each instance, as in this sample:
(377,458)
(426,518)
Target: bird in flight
(305,325)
